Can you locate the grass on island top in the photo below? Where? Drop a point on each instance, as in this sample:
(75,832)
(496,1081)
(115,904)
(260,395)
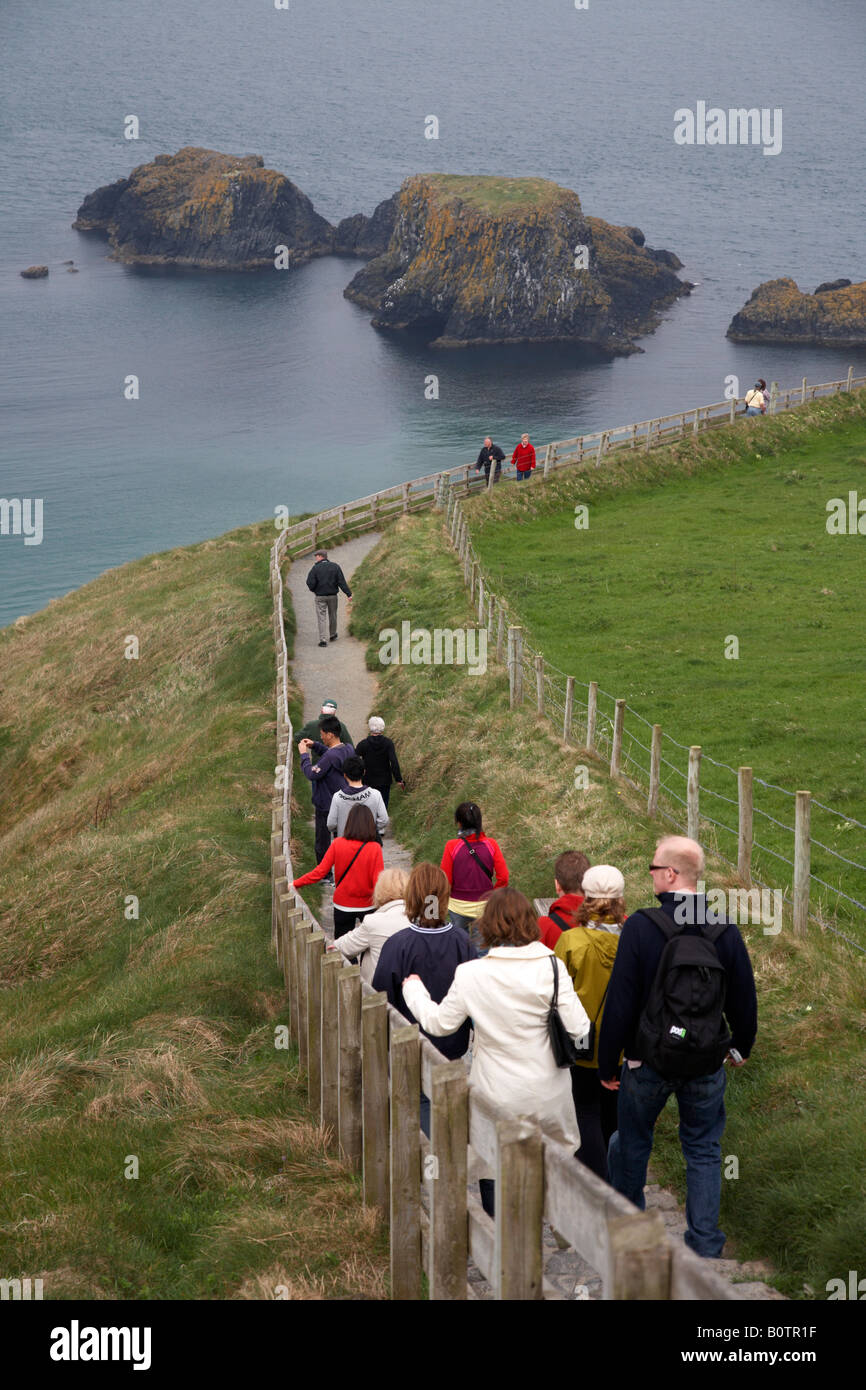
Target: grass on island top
(493,194)
(685,548)
(797,1110)
(153,1038)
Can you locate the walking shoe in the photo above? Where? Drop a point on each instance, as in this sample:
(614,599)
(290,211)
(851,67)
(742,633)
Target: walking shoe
(323,644)
(334,638)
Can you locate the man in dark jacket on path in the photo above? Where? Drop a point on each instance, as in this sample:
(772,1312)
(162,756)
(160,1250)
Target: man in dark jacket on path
(490,453)
(313,727)
(643,1092)
(324,580)
(326,775)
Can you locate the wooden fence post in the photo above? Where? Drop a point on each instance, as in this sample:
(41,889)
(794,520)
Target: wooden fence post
(591,715)
(616,743)
(299,965)
(802,860)
(803,392)
(696,423)
(602,440)
(539,682)
(693,792)
(744,837)
(449,1139)
(774,397)
(733,411)
(292,918)
(655,770)
(569,708)
(519,1206)
(405,1220)
(331,968)
(473,578)
(480,601)
(491,477)
(849,382)
(315,946)
(515,666)
(405,497)
(374,1086)
(349,1012)
(500,629)
(639,1257)
(490,605)
(547,460)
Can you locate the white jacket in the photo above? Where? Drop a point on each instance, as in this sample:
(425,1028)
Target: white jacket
(371,934)
(507,994)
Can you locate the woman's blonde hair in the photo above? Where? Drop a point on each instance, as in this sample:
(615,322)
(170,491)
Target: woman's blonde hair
(596,909)
(390,884)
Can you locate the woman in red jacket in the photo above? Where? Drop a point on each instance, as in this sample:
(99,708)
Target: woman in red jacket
(474,865)
(523,458)
(356,858)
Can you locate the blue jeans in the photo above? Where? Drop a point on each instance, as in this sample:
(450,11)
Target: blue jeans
(468,923)
(701,1100)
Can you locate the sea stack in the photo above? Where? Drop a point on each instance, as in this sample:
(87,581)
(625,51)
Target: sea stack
(779,312)
(206,209)
(479,259)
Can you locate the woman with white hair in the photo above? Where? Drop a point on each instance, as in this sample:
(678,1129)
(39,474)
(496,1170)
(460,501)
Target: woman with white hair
(380,759)
(371,933)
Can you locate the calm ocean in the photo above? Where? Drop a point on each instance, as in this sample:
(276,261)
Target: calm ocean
(272,389)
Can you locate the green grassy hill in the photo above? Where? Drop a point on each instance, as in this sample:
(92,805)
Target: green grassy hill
(151,1037)
(685,548)
(797,1111)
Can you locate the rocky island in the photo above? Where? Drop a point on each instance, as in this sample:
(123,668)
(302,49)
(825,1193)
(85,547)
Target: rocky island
(202,208)
(471,259)
(779,312)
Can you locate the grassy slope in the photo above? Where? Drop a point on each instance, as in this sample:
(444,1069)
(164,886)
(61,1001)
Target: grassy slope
(154,1037)
(797,1112)
(686,546)
(495,194)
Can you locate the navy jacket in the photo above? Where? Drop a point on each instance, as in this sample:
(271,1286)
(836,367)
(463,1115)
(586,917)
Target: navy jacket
(640,949)
(325,578)
(434,953)
(326,773)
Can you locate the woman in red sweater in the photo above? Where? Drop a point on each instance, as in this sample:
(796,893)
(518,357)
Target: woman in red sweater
(356,858)
(523,458)
(474,865)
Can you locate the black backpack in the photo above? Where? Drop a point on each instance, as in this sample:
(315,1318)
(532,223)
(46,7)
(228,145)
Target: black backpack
(682,1031)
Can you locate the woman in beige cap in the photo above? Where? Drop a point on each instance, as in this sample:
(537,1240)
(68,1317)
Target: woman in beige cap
(588,952)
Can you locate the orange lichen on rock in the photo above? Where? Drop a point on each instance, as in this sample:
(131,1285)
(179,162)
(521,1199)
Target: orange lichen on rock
(779,312)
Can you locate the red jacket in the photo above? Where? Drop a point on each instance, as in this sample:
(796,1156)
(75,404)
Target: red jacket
(352,890)
(523,458)
(566,906)
(470,883)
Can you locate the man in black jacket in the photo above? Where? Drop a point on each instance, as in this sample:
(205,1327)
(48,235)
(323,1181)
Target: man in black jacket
(677,866)
(490,453)
(324,579)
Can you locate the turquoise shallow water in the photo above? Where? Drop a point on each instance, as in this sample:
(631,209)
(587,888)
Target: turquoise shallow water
(259,390)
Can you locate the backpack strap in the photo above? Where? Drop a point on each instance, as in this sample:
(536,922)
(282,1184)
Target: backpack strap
(560,921)
(479,862)
(711,930)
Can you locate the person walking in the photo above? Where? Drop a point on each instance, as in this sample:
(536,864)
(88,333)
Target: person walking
(355,794)
(356,859)
(674,1036)
(523,458)
(568,872)
(373,930)
(588,951)
(324,580)
(312,728)
(326,774)
(430,949)
(507,995)
(380,760)
(474,865)
(490,454)
(756,399)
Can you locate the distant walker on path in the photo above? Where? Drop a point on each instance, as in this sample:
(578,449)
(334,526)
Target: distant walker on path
(324,581)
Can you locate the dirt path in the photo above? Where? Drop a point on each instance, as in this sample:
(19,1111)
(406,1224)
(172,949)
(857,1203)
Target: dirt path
(337,672)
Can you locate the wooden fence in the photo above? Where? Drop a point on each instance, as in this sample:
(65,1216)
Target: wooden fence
(365,1068)
(432,490)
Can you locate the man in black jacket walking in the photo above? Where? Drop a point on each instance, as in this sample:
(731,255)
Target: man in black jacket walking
(324,579)
(677,866)
(490,454)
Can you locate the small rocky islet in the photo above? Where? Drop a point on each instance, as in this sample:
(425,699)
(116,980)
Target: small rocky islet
(834,315)
(463,259)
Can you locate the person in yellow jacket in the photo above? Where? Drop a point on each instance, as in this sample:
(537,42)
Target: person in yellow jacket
(588,952)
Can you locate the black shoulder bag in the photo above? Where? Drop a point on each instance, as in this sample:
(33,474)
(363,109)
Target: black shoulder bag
(564,1050)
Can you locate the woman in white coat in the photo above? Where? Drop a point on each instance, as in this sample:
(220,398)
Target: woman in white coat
(367,939)
(508,994)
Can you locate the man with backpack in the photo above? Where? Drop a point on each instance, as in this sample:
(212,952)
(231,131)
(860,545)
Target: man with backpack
(681,1003)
